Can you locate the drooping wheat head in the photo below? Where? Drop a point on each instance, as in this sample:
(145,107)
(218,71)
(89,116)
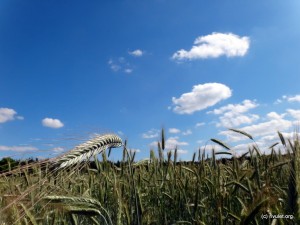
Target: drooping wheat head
(88,149)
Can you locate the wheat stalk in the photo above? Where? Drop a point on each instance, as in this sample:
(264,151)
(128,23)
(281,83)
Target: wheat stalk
(88,149)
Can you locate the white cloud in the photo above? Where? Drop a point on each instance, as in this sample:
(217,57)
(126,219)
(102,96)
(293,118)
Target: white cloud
(215,45)
(172,142)
(187,132)
(210,147)
(135,150)
(201,97)
(276,123)
(120,65)
(58,149)
(17,148)
(114,67)
(294,113)
(136,53)
(264,143)
(153,133)
(241,148)
(7,114)
(200,141)
(232,114)
(278,101)
(120,133)
(180,151)
(236,108)
(275,116)
(295,98)
(128,70)
(52,123)
(236,120)
(174,131)
(200,124)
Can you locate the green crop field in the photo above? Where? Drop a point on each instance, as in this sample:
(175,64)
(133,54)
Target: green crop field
(78,188)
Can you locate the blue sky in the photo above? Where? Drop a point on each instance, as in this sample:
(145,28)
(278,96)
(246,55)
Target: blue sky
(70,69)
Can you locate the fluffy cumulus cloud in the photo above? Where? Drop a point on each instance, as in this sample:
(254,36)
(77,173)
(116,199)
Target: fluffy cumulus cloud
(17,148)
(201,97)
(52,123)
(215,45)
(294,113)
(233,115)
(7,114)
(295,98)
(137,53)
(275,122)
(236,120)
(173,142)
(236,108)
(269,127)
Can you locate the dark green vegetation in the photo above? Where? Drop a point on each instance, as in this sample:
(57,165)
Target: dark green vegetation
(159,190)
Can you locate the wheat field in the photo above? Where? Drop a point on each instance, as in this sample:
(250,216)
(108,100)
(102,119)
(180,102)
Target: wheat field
(79,188)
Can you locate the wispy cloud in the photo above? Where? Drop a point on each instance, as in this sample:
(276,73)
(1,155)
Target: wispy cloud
(201,97)
(187,132)
(113,66)
(136,53)
(120,65)
(52,123)
(199,124)
(58,149)
(128,70)
(17,148)
(153,133)
(293,98)
(7,114)
(215,45)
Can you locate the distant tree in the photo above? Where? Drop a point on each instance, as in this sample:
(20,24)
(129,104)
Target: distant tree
(7,163)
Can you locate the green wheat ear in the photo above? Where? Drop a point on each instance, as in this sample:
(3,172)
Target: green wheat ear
(294,182)
(298,180)
(88,149)
(80,205)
